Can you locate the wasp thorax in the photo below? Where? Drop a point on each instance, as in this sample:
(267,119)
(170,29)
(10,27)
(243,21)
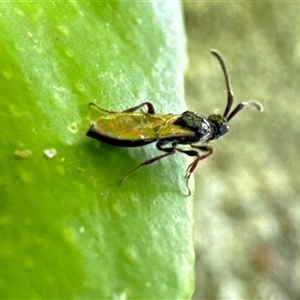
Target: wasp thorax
(219,126)
(194,122)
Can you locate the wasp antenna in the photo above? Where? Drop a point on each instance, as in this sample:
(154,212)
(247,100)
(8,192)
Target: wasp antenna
(230,96)
(242,105)
(256,104)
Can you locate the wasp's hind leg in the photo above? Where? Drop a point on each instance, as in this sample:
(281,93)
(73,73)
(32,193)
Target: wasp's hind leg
(150,108)
(149,105)
(169,151)
(100,108)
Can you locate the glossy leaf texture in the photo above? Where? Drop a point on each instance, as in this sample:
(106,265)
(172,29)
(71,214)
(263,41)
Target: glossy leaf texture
(68,230)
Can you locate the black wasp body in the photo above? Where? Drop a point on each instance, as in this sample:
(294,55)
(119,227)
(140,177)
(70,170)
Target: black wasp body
(132,129)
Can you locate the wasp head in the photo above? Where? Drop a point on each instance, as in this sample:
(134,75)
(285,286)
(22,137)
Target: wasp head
(219,126)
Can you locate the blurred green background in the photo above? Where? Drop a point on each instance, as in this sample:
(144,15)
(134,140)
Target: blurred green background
(247,206)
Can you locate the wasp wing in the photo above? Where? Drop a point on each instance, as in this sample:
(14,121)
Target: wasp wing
(128,129)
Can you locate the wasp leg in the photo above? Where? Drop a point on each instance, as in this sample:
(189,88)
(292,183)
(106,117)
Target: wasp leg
(191,168)
(102,109)
(169,151)
(150,108)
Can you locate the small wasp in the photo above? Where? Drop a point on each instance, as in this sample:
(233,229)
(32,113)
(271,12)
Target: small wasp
(133,129)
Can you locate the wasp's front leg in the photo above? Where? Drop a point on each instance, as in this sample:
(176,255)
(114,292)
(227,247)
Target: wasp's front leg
(191,168)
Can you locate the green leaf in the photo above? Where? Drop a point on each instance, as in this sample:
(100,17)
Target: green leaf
(67,229)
